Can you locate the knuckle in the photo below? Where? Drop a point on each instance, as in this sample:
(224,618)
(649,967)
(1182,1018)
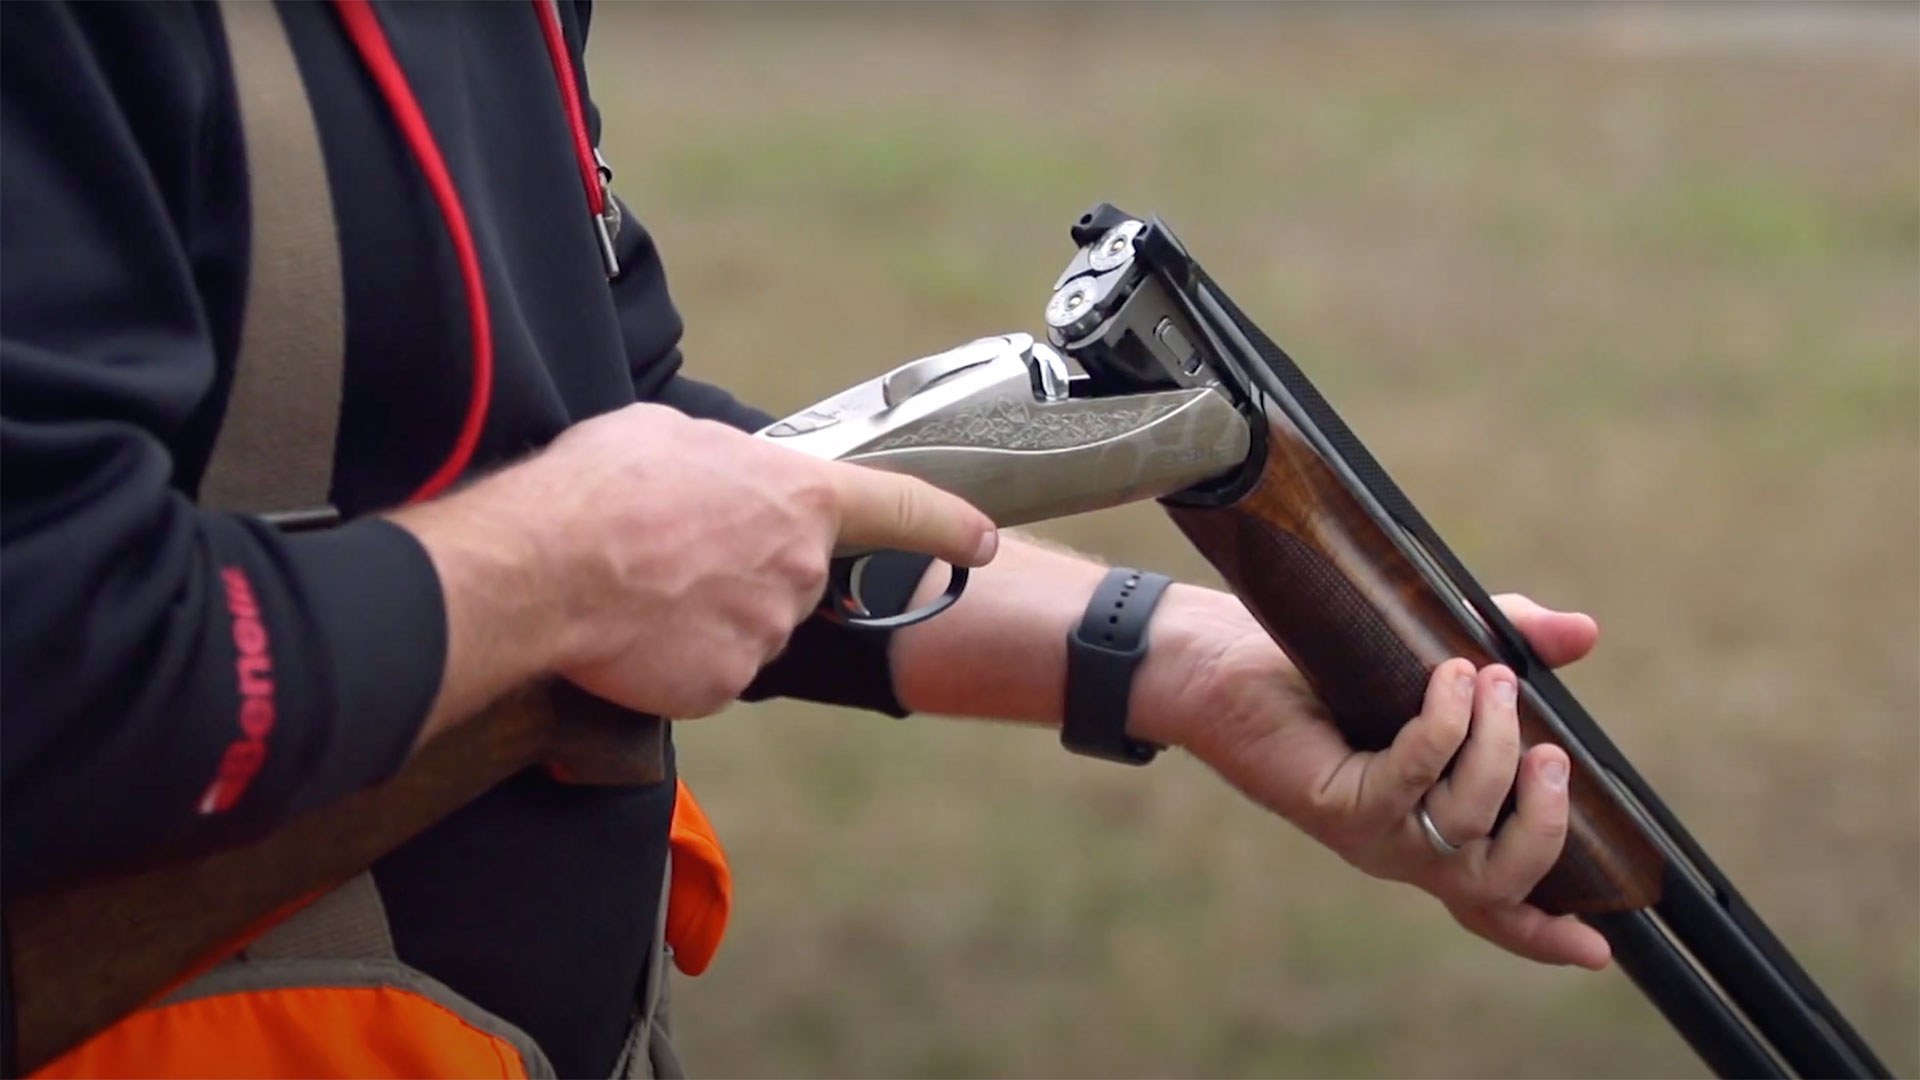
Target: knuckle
(1505,744)
(805,568)
(723,681)
(774,630)
(647,420)
(694,705)
(1417,762)
(720,665)
(695,701)
(1423,770)
(770,649)
(707,698)
(1480,818)
(817,488)
(740,671)
(1552,829)
(1445,726)
(1414,784)
(695,426)
(811,491)
(907,509)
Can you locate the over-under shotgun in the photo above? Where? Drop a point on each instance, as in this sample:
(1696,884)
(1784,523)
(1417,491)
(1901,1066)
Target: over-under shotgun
(1151,385)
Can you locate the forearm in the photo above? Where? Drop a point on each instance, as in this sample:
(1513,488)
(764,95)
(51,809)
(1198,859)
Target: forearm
(1000,653)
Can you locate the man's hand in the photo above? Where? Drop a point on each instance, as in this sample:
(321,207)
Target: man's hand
(1216,684)
(658,561)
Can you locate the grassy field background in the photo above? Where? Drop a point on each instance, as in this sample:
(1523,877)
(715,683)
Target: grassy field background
(1629,301)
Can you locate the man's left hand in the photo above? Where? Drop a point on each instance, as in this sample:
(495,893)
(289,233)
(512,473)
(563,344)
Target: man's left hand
(1216,684)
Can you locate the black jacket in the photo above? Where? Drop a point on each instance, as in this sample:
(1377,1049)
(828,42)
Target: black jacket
(124,231)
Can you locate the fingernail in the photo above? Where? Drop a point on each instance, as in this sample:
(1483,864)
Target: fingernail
(1505,691)
(1555,773)
(989,543)
(1463,687)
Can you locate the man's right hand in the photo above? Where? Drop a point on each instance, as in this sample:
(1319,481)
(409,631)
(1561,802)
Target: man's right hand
(659,561)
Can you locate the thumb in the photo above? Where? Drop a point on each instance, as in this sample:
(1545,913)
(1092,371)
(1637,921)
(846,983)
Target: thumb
(1560,637)
(885,510)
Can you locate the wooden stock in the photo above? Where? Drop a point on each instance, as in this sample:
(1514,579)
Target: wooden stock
(83,957)
(1365,628)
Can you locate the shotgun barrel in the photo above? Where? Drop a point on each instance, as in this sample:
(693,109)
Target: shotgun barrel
(1341,569)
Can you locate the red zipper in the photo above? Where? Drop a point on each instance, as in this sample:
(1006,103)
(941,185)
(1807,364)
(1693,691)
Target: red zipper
(570,97)
(594,173)
(370,39)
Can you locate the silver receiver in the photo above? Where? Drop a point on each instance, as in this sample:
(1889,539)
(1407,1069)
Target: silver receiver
(995,422)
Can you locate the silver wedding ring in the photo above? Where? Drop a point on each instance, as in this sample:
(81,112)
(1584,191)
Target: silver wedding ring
(1439,843)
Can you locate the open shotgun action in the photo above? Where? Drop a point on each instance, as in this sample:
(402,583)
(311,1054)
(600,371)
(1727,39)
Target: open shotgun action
(1150,384)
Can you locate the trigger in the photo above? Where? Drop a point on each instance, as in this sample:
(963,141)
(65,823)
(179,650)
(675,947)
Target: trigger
(844,605)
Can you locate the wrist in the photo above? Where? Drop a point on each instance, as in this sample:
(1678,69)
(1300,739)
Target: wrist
(545,576)
(503,582)
(1189,630)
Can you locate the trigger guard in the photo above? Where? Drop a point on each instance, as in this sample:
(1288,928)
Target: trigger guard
(843,605)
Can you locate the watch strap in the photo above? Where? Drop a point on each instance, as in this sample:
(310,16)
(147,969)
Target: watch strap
(1103,652)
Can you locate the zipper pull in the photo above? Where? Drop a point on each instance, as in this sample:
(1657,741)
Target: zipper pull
(607,222)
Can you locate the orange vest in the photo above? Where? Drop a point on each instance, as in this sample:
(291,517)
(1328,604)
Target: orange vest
(320,993)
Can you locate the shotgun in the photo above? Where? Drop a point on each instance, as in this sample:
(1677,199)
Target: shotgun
(1150,385)
(1345,574)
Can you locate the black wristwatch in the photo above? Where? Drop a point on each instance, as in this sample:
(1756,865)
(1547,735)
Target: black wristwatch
(1102,654)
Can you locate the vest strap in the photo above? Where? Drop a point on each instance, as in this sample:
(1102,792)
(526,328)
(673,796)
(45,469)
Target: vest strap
(274,448)
(349,923)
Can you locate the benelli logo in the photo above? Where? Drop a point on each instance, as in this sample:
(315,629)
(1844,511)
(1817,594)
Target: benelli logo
(253,669)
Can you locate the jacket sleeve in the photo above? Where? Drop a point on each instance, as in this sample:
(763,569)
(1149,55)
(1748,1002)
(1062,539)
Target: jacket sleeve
(171,679)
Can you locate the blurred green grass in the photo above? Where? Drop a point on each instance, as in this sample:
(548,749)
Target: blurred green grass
(1628,298)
